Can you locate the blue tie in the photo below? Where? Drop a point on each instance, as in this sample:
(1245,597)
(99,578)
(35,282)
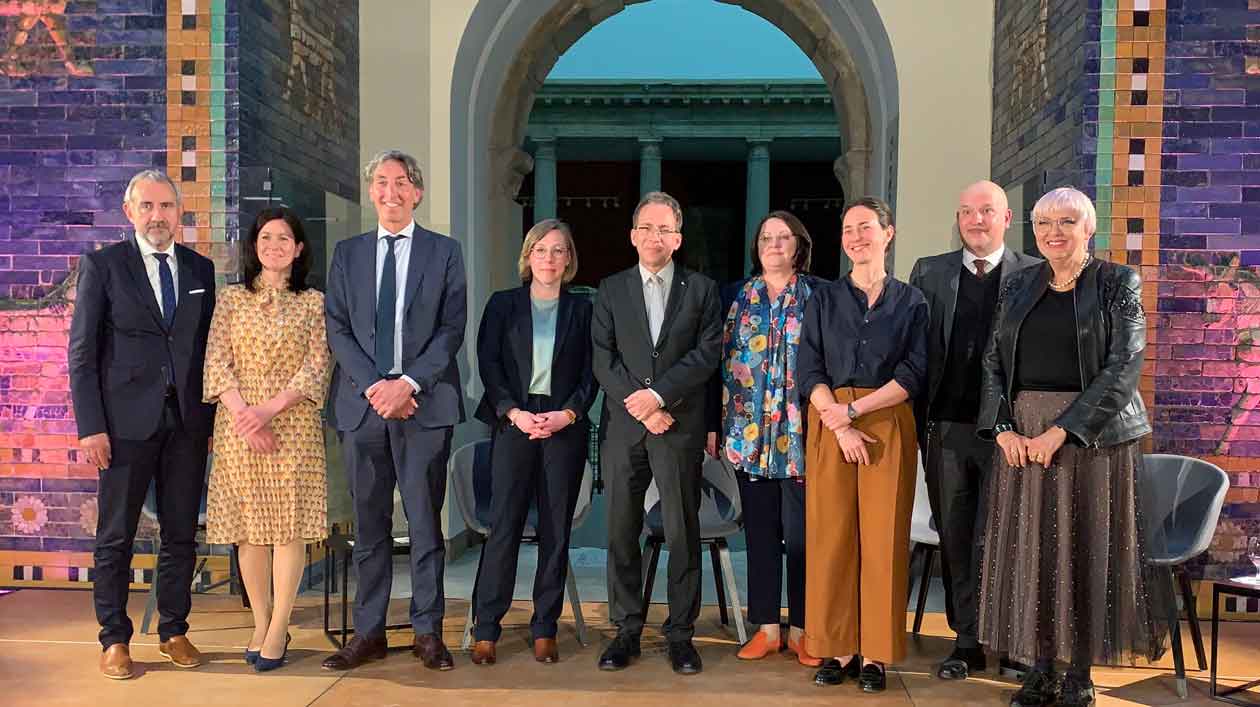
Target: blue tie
(168,289)
(386,304)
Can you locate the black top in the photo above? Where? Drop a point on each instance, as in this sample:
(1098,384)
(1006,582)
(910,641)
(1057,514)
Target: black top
(843,343)
(1047,357)
(959,399)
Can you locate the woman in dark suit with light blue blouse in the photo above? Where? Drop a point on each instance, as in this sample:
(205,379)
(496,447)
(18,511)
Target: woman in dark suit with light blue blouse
(534,356)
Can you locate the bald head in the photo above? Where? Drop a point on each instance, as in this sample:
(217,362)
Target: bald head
(983,217)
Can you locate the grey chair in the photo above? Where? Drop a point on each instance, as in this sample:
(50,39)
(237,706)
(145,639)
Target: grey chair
(149,510)
(924,542)
(720,517)
(1181,501)
(462,468)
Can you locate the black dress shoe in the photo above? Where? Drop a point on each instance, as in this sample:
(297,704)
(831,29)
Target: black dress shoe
(618,653)
(1039,689)
(356,652)
(1012,669)
(432,652)
(832,673)
(962,663)
(872,678)
(1076,691)
(684,658)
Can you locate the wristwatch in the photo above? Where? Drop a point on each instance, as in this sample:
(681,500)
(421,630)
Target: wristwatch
(853,413)
(1002,427)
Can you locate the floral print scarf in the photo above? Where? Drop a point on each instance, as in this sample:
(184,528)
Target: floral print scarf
(761,413)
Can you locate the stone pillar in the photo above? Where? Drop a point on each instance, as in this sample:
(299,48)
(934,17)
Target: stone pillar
(757,196)
(545,179)
(649,164)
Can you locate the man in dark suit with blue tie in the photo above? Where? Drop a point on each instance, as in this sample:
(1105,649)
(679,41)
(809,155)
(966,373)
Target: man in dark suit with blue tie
(137,347)
(396,309)
(657,336)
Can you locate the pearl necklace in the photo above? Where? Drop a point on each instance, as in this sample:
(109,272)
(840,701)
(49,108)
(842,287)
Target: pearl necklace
(1057,287)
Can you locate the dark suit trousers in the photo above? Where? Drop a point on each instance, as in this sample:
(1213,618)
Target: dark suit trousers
(380,455)
(628,470)
(956,464)
(176,463)
(774,521)
(546,473)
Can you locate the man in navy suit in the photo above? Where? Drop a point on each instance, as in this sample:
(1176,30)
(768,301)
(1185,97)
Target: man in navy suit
(394,400)
(137,346)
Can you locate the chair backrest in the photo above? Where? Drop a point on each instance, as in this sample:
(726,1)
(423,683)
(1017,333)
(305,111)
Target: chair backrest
(922,524)
(461,469)
(583,507)
(1181,502)
(720,511)
(149,507)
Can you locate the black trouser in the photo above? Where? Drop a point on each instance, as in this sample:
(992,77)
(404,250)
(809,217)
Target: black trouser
(774,520)
(545,474)
(627,472)
(956,464)
(176,463)
(380,455)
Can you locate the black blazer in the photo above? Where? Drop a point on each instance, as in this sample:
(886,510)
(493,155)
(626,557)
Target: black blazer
(936,276)
(505,355)
(435,311)
(120,349)
(677,367)
(1111,339)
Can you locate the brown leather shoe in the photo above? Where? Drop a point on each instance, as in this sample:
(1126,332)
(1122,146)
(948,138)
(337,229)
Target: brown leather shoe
(545,650)
(116,662)
(180,651)
(432,652)
(356,652)
(483,653)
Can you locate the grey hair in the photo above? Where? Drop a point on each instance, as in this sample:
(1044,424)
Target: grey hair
(658,197)
(1071,200)
(407,161)
(151,175)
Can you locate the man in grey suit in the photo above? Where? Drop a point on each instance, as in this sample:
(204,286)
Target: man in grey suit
(394,400)
(962,289)
(657,334)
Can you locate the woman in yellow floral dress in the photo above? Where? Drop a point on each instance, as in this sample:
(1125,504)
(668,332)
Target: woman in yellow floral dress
(267,366)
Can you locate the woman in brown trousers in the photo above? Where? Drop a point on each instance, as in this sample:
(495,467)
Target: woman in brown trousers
(863,358)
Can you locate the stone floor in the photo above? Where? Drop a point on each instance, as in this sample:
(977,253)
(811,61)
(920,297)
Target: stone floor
(48,658)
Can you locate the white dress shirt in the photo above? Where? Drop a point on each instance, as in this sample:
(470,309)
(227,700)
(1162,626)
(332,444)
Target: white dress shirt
(151,267)
(994,259)
(402,257)
(667,280)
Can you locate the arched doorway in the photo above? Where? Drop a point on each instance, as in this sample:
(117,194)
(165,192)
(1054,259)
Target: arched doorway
(509,47)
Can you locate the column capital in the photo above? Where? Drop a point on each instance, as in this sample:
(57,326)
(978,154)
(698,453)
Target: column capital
(545,147)
(759,148)
(650,148)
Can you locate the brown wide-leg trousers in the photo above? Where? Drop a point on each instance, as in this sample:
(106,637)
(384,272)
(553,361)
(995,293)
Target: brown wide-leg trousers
(857,535)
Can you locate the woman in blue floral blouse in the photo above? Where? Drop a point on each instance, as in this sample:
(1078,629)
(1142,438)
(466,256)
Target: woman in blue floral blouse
(759,427)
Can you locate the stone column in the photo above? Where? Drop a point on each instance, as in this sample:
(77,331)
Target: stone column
(757,196)
(649,164)
(545,179)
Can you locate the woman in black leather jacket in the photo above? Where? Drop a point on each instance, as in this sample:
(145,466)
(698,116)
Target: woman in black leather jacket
(1063,581)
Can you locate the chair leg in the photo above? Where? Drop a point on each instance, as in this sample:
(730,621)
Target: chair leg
(925,580)
(150,605)
(234,570)
(471,616)
(1192,616)
(1179,663)
(728,572)
(717,582)
(653,556)
(345,596)
(570,585)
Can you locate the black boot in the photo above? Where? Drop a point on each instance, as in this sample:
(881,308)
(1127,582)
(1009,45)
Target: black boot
(1039,688)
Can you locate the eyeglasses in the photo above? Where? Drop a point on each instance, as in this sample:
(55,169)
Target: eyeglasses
(541,252)
(1064,224)
(767,239)
(985,213)
(658,231)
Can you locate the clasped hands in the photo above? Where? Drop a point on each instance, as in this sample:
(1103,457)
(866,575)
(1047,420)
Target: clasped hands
(1020,451)
(852,441)
(643,406)
(253,424)
(392,399)
(539,425)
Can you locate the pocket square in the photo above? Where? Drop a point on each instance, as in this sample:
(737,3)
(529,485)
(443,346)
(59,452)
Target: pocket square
(197,292)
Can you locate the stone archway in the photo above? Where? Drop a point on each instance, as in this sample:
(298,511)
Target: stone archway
(510,46)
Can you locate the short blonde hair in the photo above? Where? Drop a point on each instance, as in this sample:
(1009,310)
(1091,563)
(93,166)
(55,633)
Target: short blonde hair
(539,232)
(1068,199)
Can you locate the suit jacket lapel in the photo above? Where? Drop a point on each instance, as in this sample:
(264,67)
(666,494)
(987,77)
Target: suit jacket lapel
(421,249)
(521,337)
(362,269)
(135,266)
(186,307)
(634,294)
(952,274)
(563,316)
(1010,264)
(677,290)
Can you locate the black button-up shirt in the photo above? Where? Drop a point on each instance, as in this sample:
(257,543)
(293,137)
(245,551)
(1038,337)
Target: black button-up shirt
(845,343)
